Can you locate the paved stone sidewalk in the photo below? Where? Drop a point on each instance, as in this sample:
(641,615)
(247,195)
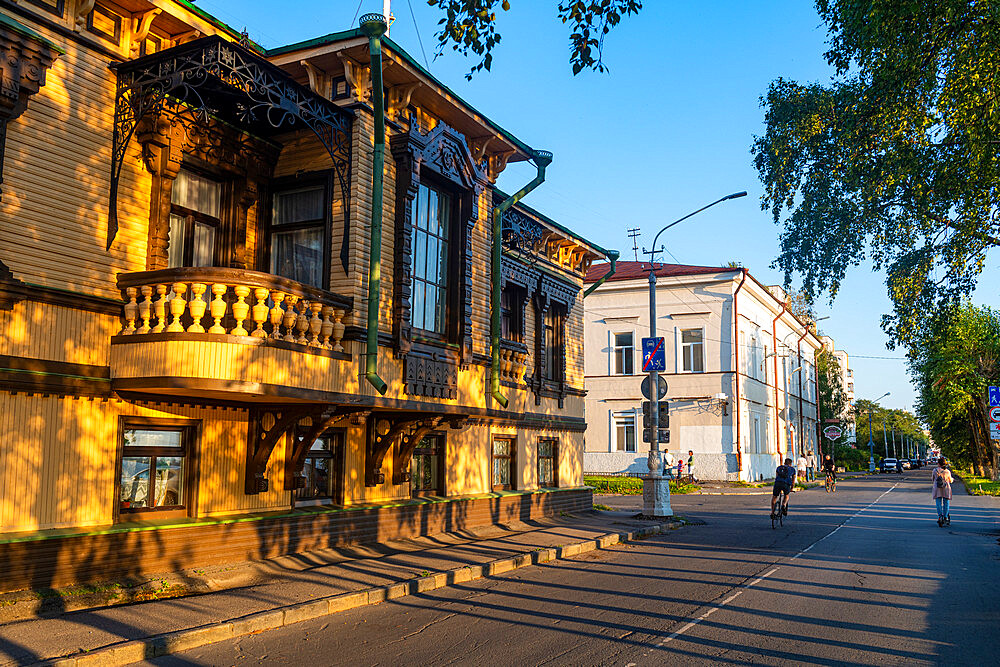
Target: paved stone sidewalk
(250,588)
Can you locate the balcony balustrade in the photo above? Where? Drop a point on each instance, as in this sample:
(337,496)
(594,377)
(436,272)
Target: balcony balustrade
(513,361)
(213,301)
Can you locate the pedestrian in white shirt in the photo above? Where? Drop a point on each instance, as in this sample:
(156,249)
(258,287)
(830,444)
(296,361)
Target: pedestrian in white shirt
(800,467)
(668,464)
(810,466)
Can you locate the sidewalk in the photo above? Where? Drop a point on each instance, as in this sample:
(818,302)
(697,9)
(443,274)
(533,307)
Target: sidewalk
(256,596)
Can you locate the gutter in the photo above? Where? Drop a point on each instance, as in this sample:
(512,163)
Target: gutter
(542,159)
(736,367)
(777,413)
(612,256)
(374,26)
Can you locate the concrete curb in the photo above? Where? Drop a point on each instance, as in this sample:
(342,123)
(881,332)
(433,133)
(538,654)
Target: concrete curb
(129,652)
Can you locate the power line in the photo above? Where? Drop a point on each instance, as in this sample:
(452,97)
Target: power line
(357,11)
(417,30)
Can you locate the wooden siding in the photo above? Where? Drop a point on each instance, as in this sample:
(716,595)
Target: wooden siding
(56,333)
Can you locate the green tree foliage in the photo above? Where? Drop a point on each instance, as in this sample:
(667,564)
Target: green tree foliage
(887,426)
(952,366)
(896,160)
(470,26)
(832,397)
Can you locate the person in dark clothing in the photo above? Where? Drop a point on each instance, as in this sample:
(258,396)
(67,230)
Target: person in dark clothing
(784,480)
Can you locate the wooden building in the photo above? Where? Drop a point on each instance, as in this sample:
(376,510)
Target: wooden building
(186,371)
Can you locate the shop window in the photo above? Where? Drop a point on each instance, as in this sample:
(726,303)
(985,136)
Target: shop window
(155,469)
(105,24)
(298,234)
(430,263)
(195,210)
(503,464)
(547,463)
(322,468)
(427,467)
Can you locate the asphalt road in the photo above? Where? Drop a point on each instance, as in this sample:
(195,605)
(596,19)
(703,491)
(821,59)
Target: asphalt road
(862,576)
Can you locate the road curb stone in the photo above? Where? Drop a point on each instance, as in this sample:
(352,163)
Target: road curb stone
(130,652)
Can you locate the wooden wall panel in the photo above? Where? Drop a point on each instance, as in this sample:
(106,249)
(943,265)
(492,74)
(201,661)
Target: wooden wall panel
(57,333)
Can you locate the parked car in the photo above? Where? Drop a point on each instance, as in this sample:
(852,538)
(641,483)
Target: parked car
(888,465)
(907,464)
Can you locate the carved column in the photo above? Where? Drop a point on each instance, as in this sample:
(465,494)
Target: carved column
(161,154)
(24,61)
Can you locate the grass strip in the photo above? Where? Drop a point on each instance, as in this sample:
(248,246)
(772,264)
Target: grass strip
(632,486)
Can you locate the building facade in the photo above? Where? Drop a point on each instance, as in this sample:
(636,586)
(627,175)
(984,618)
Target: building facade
(195,335)
(741,373)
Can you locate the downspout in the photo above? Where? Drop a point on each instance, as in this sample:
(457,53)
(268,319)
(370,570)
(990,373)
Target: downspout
(613,259)
(819,415)
(374,26)
(798,351)
(737,414)
(542,159)
(777,412)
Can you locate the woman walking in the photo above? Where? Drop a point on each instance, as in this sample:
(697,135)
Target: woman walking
(941,480)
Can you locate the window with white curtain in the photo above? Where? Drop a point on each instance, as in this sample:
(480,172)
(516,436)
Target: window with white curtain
(298,234)
(624,431)
(624,354)
(195,211)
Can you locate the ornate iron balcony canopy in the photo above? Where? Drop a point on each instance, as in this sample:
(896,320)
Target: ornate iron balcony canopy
(218,78)
(520,232)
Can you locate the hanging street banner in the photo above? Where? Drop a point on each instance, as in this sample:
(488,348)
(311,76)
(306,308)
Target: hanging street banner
(654,357)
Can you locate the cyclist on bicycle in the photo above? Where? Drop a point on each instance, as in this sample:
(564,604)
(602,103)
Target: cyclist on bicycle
(829,468)
(784,480)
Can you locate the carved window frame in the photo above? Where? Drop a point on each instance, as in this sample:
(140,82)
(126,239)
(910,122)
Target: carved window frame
(55,7)
(551,290)
(525,277)
(442,158)
(115,37)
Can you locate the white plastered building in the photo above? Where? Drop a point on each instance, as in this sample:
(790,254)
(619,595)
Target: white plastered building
(735,401)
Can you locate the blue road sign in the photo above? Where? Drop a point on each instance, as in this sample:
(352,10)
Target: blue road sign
(654,357)
(994,391)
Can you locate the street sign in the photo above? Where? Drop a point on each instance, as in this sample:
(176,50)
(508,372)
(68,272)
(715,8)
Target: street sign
(994,431)
(994,394)
(654,357)
(995,414)
(662,384)
(832,432)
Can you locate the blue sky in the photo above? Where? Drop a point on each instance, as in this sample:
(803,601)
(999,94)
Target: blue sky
(666,131)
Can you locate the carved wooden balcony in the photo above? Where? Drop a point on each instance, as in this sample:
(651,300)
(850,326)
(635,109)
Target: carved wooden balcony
(215,330)
(513,361)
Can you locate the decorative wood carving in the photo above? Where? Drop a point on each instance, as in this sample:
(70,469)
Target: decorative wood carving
(399,99)
(359,78)
(303,436)
(444,152)
(429,377)
(496,163)
(408,442)
(141,23)
(267,426)
(24,61)
(319,81)
(382,430)
(80,13)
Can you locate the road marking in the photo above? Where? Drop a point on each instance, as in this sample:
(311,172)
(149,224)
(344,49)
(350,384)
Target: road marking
(742,589)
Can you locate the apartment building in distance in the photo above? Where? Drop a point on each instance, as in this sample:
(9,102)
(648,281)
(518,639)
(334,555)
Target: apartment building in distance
(247,299)
(741,370)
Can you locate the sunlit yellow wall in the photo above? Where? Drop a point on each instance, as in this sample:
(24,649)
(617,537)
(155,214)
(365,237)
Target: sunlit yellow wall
(57,463)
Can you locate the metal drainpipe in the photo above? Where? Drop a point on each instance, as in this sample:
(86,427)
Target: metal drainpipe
(542,159)
(374,26)
(737,415)
(798,351)
(612,256)
(777,412)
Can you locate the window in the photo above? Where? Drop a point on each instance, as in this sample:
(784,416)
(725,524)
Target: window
(153,473)
(624,425)
(430,259)
(105,24)
(427,466)
(692,349)
(555,319)
(195,207)
(624,352)
(512,300)
(755,445)
(298,235)
(503,464)
(547,463)
(151,44)
(322,468)
(52,6)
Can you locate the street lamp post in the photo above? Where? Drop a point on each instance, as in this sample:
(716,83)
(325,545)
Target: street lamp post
(655,487)
(871,442)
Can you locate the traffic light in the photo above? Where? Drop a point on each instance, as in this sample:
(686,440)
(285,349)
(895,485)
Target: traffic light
(663,421)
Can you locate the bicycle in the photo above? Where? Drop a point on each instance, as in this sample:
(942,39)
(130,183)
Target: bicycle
(780,509)
(831,483)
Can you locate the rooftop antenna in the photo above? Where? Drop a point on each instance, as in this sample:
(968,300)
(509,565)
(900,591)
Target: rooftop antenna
(387,13)
(634,235)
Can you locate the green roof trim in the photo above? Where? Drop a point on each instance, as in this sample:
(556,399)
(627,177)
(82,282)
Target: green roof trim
(194,9)
(565,230)
(356,32)
(24,30)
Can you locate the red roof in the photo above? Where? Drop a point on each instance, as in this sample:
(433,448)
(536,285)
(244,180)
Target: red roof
(635,270)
